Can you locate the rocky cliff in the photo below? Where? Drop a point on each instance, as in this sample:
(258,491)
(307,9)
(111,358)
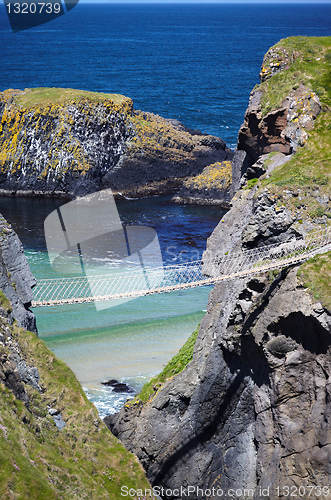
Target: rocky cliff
(67,142)
(16,279)
(52,443)
(251,411)
(283,108)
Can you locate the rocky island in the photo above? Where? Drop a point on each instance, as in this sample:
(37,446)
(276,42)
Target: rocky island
(64,142)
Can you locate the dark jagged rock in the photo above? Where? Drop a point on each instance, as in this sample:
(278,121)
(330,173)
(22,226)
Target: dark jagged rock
(258,136)
(9,374)
(240,163)
(16,279)
(251,407)
(251,411)
(282,130)
(110,382)
(118,386)
(16,282)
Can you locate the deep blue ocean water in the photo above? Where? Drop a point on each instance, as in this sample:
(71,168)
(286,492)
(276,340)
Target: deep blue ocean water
(197,63)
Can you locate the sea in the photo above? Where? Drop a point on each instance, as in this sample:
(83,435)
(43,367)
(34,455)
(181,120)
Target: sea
(194,62)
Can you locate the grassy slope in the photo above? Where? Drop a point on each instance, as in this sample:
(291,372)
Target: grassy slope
(311,68)
(315,275)
(307,174)
(53,112)
(37,461)
(43,96)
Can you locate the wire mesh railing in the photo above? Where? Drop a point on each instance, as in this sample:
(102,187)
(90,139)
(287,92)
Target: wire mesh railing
(132,283)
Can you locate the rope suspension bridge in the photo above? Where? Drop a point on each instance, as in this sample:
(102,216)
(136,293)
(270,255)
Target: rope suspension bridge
(133,283)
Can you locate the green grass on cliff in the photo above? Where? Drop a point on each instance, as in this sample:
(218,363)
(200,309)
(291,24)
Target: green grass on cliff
(303,184)
(311,165)
(310,68)
(43,96)
(5,303)
(315,274)
(308,174)
(39,462)
(175,366)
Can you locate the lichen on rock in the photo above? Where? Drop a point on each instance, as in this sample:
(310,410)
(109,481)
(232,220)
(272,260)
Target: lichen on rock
(211,186)
(67,142)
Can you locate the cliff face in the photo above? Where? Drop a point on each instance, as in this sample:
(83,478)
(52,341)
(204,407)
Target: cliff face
(283,108)
(252,409)
(282,130)
(16,279)
(69,142)
(52,442)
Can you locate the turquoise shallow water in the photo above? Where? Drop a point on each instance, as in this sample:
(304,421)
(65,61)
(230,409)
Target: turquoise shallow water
(134,340)
(130,343)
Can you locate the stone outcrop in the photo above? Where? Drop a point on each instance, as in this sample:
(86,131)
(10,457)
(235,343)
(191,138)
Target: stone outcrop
(211,187)
(16,279)
(251,408)
(276,60)
(67,143)
(16,283)
(283,126)
(281,130)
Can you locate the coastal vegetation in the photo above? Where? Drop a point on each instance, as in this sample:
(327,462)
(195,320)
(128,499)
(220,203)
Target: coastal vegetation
(211,186)
(215,176)
(302,71)
(43,96)
(35,118)
(293,63)
(67,142)
(37,460)
(249,343)
(315,275)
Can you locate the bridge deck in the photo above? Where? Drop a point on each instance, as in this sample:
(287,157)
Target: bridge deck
(139,282)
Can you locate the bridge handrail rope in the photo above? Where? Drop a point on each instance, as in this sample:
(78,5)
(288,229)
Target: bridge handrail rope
(131,283)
